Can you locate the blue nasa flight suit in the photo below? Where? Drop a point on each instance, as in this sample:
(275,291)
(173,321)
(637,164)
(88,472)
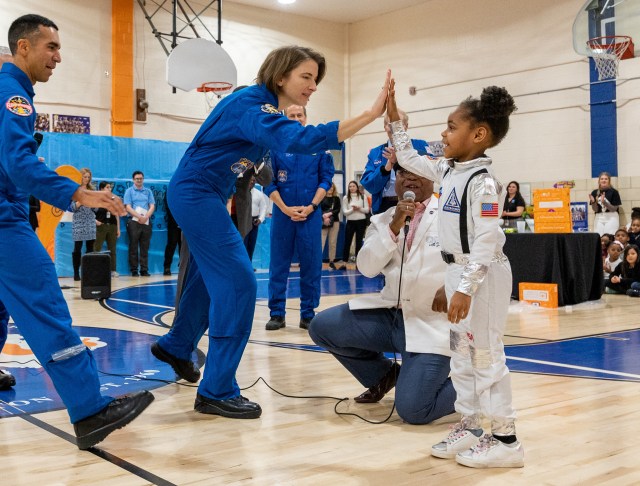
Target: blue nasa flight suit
(375,177)
(296,178)
(28,282)
(220,288)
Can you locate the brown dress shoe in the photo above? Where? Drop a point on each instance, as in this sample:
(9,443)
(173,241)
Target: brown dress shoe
(377,392)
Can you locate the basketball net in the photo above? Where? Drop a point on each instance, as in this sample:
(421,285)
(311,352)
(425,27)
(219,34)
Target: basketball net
(213,92)
(606,53)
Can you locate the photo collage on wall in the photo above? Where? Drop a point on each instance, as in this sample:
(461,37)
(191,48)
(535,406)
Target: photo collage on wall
(63,123)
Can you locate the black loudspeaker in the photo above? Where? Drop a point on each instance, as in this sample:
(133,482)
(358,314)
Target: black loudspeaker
(96,276)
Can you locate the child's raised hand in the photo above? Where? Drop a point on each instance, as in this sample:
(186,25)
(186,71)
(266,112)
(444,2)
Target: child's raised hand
(392,108)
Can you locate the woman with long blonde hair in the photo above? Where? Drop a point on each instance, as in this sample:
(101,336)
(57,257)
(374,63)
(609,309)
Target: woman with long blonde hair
(83,228)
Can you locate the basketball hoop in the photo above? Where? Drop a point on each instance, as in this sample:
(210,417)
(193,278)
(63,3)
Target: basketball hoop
(213,91)
(607,51)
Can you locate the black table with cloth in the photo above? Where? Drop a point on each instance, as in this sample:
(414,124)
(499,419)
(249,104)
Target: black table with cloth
(571,260)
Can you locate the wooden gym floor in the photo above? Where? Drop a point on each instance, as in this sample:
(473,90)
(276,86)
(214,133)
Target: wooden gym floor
(581,426)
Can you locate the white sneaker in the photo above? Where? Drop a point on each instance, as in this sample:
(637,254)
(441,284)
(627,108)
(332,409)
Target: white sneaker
(115,274)
(458,440)
(490,452)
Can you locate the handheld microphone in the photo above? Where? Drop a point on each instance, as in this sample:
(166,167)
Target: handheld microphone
(412,197)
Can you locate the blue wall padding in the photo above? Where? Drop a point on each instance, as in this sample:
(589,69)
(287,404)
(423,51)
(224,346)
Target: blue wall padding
(114,159)
(604,127)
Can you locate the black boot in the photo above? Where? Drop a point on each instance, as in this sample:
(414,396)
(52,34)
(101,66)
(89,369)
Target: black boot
(77,257)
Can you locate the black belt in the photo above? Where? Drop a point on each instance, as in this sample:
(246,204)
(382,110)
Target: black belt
(448,258)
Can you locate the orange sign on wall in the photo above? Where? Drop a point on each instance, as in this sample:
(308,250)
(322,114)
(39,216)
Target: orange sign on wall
(50,216)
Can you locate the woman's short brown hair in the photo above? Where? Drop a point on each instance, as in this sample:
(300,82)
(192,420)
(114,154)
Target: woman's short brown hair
(283,60)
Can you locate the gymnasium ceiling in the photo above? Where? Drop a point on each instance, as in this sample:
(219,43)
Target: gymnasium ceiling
(341,11)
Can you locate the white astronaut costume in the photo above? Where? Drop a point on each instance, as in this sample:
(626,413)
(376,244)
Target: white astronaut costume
(478,268)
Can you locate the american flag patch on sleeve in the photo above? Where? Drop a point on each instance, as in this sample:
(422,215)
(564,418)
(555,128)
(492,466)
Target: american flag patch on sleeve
(489,209)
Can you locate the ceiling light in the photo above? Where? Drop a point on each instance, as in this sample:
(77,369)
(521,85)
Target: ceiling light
(286,2)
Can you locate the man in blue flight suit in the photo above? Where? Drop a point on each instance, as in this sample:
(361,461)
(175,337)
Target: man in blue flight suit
(28,282)
(7,380)
(299,181)
(379,178)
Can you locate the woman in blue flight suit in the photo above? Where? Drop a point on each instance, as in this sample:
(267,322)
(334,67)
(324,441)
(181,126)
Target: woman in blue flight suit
(220,289)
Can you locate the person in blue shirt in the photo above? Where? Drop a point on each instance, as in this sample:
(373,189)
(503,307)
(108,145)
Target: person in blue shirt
(140,205)
(220,287)
(29,286)
(378,177)
(300,181)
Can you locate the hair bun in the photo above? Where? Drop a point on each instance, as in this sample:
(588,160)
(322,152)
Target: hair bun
(496,102)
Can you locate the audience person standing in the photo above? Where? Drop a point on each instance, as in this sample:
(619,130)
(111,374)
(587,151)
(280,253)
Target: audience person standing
(378,178)
(7,380)
(258,215)
(330,207)
(407,321)
(83,228)
(174,239)
(355,209)
(513,204)
(605,201)
(301,181)
(140,205)
(107,229)
(34,209)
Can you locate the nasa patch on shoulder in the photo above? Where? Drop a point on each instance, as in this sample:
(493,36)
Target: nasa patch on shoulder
(241,166)
(270,109)
(19,105)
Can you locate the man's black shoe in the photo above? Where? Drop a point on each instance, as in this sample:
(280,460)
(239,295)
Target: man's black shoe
(378,391)
(184,368)
(304,322)
(275,323)
(7,380)
(237,407)
(117,414)
(135,273)
(166,272)
(145,274)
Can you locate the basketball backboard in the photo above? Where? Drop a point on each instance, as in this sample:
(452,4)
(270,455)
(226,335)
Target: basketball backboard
(198,61)
(598,18)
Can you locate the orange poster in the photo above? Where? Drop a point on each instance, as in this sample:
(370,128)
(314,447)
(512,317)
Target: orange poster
(50,216)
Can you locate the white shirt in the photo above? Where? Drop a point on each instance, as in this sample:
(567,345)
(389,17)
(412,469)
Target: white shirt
(258,205)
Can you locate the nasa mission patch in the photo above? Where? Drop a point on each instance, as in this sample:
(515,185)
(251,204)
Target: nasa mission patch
(19,105)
